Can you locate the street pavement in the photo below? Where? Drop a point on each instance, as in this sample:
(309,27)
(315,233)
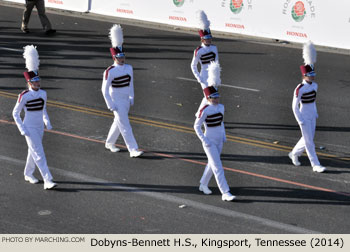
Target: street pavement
(103,192)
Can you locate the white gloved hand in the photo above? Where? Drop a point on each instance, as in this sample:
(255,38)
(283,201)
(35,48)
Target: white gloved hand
(25,132)
(114,108)
(207,142)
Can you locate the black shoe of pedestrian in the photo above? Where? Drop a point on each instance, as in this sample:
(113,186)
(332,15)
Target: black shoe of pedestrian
(50,32)
(25,30)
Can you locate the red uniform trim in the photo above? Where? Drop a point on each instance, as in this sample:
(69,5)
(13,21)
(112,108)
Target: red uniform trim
(21,94)
(197,49)
(201,111)
(106,75)
(298,88)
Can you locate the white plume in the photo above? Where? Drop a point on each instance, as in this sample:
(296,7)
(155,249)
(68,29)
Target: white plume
(204,23)
(214,70)
(309,53)
(116,36)
(32,58)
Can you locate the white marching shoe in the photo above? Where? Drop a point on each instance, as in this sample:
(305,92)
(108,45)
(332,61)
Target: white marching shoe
(135,153)
(205,189)
(111,147)
(294,159)
(49,185)
(319,168)
(31,179)
(228,197)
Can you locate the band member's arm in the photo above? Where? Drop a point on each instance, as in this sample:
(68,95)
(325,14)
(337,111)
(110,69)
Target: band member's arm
(131,95)
(316,88)
(198,128)
(46,116)
(216,55)
(295,105)
(223,126)
(16,113)
(194,66)
(106,83)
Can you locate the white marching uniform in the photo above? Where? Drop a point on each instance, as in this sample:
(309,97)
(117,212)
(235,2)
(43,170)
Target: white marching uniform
(306,115)
(212,140)
(118,92)
(32,127)
(203,55)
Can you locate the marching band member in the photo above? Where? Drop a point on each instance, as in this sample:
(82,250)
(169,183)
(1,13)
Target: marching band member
(212,115)
(204,54)
(33,101)
(118,92)
(305,111)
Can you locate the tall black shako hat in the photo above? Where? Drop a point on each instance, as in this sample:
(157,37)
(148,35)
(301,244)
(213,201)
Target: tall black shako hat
(214,80)
(309,55)
(204,25)
(31,57)
(117,40)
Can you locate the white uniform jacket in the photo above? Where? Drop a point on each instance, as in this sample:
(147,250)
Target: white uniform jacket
(304,102)
(34,105)
(212,116)
(118,84)
(204,55)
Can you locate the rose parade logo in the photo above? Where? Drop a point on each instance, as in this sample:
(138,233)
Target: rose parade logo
(236,6)
(298,11)
(178,3)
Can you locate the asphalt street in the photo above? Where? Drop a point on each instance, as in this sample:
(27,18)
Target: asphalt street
(103,192)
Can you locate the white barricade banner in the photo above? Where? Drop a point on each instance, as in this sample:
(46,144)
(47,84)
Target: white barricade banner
(325,22)
(73,5)
(16,1)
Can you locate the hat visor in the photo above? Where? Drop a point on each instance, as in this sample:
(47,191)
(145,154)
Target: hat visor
(215,95)
(119,55)
(36,78)
(310,74)
(207,37)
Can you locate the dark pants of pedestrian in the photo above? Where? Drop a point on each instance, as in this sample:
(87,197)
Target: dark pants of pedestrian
(40,6)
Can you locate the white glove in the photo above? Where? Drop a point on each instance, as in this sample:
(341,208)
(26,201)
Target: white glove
(207,142)
(114,108)
(25,132)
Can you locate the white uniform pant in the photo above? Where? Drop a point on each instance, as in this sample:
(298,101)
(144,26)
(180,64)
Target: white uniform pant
(36,154)
(122,125)
(306,142)
(214,166)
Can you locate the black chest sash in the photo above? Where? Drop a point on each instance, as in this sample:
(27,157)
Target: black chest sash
(122,81)
(207,58)
(214,120)
(36,104)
